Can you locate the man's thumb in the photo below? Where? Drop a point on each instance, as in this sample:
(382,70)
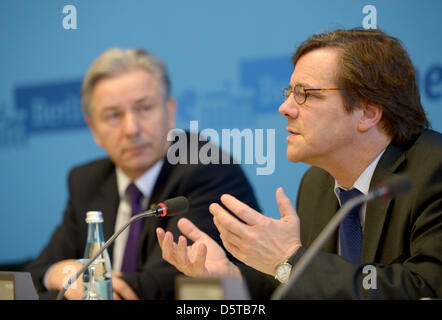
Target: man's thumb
(285,205)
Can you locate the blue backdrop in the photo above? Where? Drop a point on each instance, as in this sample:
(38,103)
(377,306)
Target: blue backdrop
(228,60)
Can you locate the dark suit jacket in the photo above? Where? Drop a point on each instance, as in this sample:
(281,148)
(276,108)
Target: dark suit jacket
(402,236)
(93,186)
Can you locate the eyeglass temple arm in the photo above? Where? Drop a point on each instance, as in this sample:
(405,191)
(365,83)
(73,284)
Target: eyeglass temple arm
(321,89)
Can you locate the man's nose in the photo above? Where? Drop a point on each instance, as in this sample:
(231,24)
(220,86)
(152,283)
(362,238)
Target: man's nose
(131,124)
(289,108)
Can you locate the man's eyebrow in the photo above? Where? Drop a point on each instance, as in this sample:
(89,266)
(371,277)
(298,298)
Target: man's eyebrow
(302,84)
(143,99)
(109,108)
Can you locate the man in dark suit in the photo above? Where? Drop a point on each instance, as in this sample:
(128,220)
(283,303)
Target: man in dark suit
(128,107)
(353,112)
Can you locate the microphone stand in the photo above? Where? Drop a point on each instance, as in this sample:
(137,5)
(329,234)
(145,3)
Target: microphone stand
(104,247)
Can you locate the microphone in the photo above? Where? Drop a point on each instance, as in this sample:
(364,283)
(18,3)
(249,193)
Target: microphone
(169,208)
(393,187)
(390,188)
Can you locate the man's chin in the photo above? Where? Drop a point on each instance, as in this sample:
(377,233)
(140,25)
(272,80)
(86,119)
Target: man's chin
(136,169)
(293,156)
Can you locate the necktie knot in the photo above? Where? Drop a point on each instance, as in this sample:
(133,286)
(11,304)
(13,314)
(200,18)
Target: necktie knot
(346,195)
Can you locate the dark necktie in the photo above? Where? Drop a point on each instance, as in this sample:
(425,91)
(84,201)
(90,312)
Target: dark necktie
(350,232)
(130,254)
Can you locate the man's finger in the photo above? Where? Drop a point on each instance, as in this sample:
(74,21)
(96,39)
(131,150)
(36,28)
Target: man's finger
(226,220)
(123,290)
(160,236)
(235,251)
(226,235)
(168,248)
(181,252)
(240,209)
(190,230)
(116,296)
(200,257)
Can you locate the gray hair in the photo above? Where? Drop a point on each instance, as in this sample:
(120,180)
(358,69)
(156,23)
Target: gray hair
(114,62)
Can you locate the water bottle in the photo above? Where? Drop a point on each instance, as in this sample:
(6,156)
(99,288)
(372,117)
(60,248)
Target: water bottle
(97,280)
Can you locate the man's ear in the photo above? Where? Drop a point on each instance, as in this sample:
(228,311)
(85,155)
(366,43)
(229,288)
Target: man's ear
(96,137)
(370,116)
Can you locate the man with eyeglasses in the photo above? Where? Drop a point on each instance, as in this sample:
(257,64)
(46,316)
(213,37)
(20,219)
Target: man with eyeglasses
(353,112)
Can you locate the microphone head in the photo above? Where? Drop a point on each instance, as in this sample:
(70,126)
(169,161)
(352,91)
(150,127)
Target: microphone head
(177,205)
(397,185)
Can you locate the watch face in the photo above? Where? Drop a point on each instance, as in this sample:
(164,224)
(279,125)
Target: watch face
(283,272)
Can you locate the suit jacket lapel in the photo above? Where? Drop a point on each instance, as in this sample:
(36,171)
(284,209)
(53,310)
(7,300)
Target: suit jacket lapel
(377,210)
(321,215)
(324,218)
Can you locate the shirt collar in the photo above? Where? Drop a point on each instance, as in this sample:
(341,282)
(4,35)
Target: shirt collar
(144,183)
(363,182)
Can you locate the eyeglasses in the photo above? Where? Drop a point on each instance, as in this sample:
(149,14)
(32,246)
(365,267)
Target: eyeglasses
(301,93)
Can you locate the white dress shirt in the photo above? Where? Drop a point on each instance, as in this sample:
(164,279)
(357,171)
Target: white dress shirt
(145,184)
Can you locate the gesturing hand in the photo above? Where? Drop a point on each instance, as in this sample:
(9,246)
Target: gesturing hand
(204,258)
(261,242)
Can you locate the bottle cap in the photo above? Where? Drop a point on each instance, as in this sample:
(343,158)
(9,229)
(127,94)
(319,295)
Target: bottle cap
(94,217)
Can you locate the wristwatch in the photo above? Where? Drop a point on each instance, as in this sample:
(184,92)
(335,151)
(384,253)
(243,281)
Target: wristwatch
(283,272)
